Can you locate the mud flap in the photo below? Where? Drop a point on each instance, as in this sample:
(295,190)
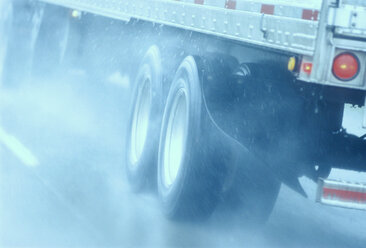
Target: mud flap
(228,90)
(249,182)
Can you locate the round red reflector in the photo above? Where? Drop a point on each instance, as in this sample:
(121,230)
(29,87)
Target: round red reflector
(345,66)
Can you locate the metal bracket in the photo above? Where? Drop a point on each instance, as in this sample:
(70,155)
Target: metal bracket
(364,115)
(347,17)
(263,29)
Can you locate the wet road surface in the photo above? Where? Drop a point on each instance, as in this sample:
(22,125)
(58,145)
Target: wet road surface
(62,182)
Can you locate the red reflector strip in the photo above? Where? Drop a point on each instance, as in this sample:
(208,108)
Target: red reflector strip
(344,195)
(230,4)
(341,194)
(309,14)
(285,10)
(267,9)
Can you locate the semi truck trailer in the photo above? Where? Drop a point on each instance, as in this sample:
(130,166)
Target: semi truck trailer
(229,98)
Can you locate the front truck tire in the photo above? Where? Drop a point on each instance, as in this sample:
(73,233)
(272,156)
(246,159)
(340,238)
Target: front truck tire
(199,164)
(143,127)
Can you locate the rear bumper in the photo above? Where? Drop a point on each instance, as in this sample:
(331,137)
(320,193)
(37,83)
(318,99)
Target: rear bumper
(341,194)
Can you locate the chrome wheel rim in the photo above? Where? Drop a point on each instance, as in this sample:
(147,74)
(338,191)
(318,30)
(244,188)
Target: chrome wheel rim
(175,139)
(140,121)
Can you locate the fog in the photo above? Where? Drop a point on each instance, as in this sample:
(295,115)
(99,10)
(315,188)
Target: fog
(62,181)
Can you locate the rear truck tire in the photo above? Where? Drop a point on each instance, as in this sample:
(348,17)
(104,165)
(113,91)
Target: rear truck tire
(143,127)
(189,179)
(200,164)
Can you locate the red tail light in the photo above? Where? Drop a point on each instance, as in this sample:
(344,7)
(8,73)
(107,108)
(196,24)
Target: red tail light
(345,66)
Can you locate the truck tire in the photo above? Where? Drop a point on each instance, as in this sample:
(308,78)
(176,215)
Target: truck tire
(189,182)
(143,127)
(200,164)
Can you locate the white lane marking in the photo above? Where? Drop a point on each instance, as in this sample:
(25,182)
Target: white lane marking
(18,149)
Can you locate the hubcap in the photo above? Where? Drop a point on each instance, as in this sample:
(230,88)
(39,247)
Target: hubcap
(174,145)
(140,122)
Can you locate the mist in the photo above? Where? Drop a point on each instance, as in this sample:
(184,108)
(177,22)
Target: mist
(62,179)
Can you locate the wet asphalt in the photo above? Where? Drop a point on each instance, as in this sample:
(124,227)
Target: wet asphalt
(67,188)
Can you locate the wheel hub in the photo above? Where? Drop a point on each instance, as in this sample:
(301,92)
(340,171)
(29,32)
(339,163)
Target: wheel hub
(174,145)
(140,123)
